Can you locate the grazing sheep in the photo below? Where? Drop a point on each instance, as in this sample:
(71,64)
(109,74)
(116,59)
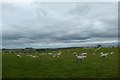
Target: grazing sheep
(74,53)
(18,55)
(50,54)
(34,56)
(93,53)
(36,52)
(43,53)
(29,55)
(54,55)
(81,57)
(111,52)
(104,54)
(83,54)
(58,54)
(40,54)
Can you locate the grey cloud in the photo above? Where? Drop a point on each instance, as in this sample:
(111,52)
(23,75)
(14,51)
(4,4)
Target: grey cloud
(48,27)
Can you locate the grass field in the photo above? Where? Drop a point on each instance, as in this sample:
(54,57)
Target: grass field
(0,64)
(65,66)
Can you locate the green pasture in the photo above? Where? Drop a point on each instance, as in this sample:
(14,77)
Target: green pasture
(65,66)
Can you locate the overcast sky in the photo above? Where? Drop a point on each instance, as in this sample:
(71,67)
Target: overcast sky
(59,24)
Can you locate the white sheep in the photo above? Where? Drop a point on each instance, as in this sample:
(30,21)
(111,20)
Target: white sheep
(58,54)
(74,53)
(34,56)
(43,53)
(50,54)
(111,52)
(104,54)
(40,54)
(29,55)
(54,55)
(93,53)
(81,57)
(18,55)
(83,54)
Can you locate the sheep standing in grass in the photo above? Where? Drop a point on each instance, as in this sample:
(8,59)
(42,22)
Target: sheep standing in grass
(74,53)
(104,54)
(54,55)
(36,52)
(34,56)
(18,55)
(94,54)
(80,57)
(40,54)
(29,55)
(83,54)
(58,54)
(50,54)
(111,52)
(43,53)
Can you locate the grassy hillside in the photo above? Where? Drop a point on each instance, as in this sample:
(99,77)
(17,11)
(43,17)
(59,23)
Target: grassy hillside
(65,66)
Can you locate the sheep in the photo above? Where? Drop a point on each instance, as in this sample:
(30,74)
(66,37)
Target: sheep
(43,53)
(29,55)
(50,54)
(101,53)
(74,53)
(104,54)
(34,56)
(36,52)
(83,54)
(81,57)
(111,52)
(93,53)
(18,55)
(58,54)
(40,54)
(54,55)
